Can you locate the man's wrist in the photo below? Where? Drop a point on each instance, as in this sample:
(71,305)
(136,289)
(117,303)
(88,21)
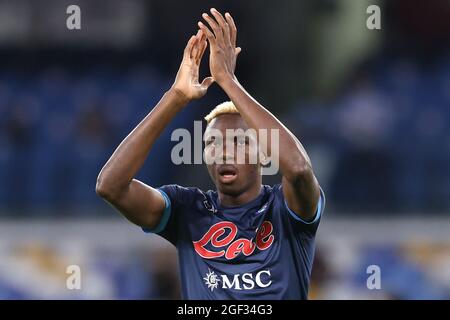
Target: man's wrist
(228,81)
(179,97)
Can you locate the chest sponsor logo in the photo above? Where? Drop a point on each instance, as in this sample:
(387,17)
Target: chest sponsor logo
(222,237)
(245,281)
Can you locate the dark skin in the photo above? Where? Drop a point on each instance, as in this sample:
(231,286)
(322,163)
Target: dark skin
(141,203)
(137,201)
(300,187)
(245,185)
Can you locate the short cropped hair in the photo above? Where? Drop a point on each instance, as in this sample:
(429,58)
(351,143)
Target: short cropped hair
(223,108)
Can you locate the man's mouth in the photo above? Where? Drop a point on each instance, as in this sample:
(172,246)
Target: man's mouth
(227,173)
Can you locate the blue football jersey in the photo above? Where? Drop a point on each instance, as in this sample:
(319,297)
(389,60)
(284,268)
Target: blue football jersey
(259,250)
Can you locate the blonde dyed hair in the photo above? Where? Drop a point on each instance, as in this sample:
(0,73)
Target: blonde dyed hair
(226,107)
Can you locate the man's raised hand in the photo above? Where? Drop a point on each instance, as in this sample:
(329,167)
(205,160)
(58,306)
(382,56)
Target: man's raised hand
(222,44)
(187,80)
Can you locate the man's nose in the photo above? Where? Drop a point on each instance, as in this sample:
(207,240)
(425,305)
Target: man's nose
(228,153)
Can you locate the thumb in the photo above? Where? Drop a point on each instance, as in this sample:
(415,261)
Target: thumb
(237,51)
(207,82)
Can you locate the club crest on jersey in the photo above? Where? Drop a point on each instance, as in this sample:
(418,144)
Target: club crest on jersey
(222,236)
(209,206)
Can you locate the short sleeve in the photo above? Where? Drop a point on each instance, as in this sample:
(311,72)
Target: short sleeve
(301,224)
(175,197)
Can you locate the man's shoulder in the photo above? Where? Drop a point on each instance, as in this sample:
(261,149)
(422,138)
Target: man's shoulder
(184,192)
(187,194)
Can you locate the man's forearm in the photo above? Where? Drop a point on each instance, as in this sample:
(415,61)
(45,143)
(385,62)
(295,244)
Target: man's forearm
(292,156)
(130,155)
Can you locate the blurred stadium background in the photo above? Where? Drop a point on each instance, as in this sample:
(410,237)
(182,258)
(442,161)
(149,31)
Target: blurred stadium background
(372,107)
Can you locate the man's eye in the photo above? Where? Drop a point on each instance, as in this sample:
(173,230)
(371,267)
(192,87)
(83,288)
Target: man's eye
(212,141)
(217,142)
(241,141)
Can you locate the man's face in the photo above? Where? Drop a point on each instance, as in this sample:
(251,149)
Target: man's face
(234,163)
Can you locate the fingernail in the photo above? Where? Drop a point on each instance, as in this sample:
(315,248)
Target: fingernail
(204,15)
(213,9)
